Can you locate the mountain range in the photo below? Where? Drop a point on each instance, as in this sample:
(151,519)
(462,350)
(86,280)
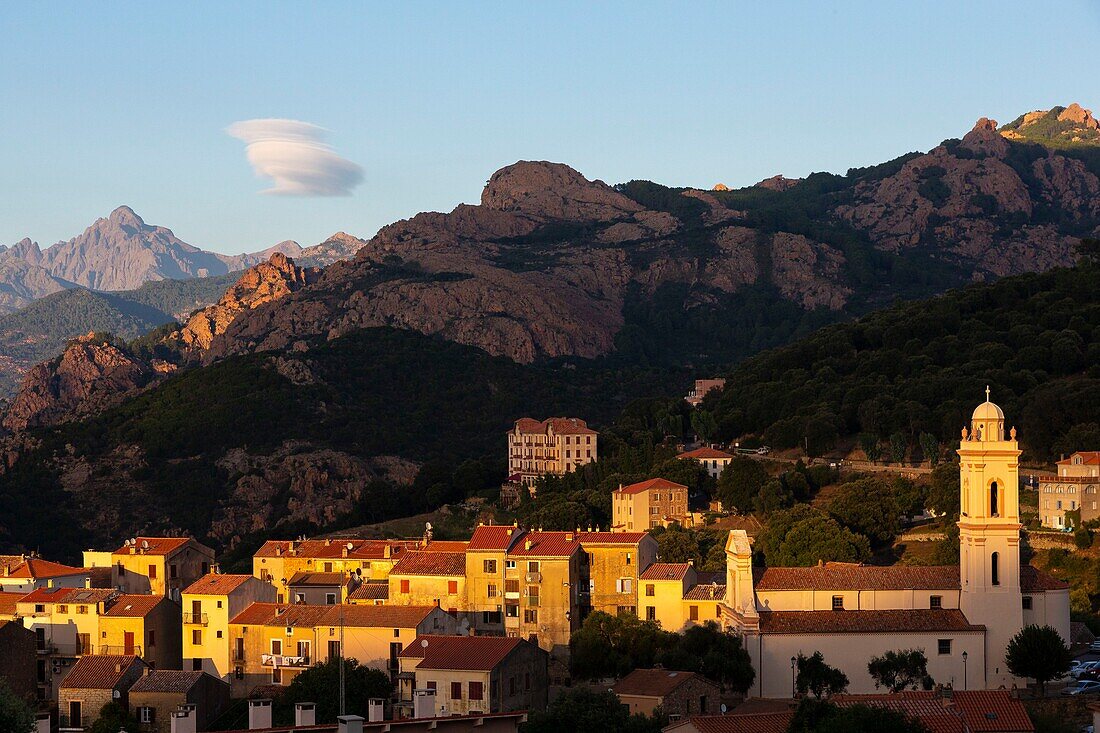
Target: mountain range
(305,395)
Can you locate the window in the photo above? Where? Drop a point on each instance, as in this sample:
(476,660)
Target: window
(196,637)
(196,665)
(328,567)
(623,610)
(84,642)
(530,616)
(490,617)
(624,585)
(456,690)
(509,564)
(476,690)
(838,603)
(527,680)
(333,649)
(173,572)
(276,676)
(491,590)
(82,609)
(935,602)
(276,646)
(452,587)
(62,608)
(650,613)
(532,595)
(943,646)
(628,558)
(993,505)
(299,598)
(994,570)
(511,685)
(219,633)
(152,572)
(511,610)
(650,590)
(39,608)
(397,633)
(303,649)
(404,586)
(511,586)
(489,566)
(693,613)
(152,637)
(1027,603)
(330,599)
(533,566)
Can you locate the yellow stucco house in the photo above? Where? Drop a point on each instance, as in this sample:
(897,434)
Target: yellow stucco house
(554,446)
(147,626)
(613,563)
(712,459)
(208,605)
(278,561)
(656,502)
(163,566)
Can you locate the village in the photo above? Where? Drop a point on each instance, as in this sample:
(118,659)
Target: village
(477,632)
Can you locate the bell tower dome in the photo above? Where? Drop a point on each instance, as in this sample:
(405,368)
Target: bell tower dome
(989,534)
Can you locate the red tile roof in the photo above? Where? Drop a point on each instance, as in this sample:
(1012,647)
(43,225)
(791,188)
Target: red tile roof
(335,548)
(736,723)
(8,601)
(545,544)
(666,571)
(493,537)
(371,591)
(446,546)
(134,605)
(700,454)
(69,595)
(431,563)
(982,711)
(152,546)
(850,576)
(371,616)
(1033,580)
(652,682)
(559,425)
(611,538)
(167,680)
(20,566)
(216,584)
(280,614)
(480,653)
(651,484)
(706,592)
(1088,458)
(865,622)
(323,580)
(99,672)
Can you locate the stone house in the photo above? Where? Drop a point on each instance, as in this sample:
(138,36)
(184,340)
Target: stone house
(159,693)
(93,682)
(675,693)
(642,506)
(18,662)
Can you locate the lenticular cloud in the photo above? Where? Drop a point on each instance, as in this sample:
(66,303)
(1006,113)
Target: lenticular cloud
(294,155)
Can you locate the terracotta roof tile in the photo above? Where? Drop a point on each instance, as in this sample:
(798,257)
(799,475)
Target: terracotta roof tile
(134,605)
(560,425)
(335,548)
(99,577)
(545,544)
(318,579)
(666,571)
(370,616)
(851,622)
(1088,458)
(493,537)
(460,652)
(33,568)
(8,601)
(446,546)
(706,592)
(98,672)
(371,591)
(651,682)
(153,546)
(69,595)
(982,711)
(216,584)
(1033,580)
(649,485)
(167,680)
(611,538)
(850,576)
(431,563)
(280,614)
(700,454)
(736,723)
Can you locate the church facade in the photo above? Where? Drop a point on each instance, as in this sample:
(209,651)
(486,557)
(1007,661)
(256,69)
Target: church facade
(961,616)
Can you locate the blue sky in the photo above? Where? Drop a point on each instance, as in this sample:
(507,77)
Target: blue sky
(112,103)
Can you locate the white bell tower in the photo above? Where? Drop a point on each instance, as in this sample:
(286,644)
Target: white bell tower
(989,535)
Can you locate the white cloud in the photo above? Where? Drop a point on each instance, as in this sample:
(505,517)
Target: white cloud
(295,157)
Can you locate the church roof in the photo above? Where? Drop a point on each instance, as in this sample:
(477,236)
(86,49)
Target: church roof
(1034,580)
(852,576)
(899,621)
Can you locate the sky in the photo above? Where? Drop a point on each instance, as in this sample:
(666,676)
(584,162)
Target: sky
(239,125)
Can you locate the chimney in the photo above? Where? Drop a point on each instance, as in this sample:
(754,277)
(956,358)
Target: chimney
(259,714)
(387,551)
(184,719)
(568,536)
(376,708)
(349,724)
(527,544)
(424,703)
(42,723)
(305,713)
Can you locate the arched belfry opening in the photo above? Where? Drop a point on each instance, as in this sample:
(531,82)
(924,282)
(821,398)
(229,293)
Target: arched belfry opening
(994,498)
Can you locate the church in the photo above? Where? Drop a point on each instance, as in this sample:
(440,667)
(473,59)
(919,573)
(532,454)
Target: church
(961,616)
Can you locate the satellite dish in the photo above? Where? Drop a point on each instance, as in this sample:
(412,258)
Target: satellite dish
(428,526)
(145,544)
(424,643)
(351,546)
(723,708)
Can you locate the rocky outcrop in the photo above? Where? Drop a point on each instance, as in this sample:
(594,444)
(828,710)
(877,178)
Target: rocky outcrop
(263,283)
(91,374)
(779,183)
(340,246)
(554,191)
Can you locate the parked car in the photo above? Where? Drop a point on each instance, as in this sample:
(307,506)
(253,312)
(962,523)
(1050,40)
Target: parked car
(1084,687)
(1082,668)
(1095,646)
(764,450)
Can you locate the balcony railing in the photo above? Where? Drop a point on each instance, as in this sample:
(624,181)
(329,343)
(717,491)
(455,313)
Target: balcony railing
(283,660)
(535,577)
(65,722)
(121,650)
(196,619)
(533,601)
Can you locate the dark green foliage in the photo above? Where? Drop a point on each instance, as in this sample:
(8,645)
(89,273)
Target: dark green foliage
(820,716)
(906,669)
(583,709)
(1038,652)
(923,367)
(740,482)
(803,536)
(817,678)
(872,507)
(321,684)
(1052,132)
(717,655)
(930,446)
(16,715)
(113,717)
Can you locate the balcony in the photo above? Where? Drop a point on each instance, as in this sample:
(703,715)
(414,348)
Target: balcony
(511,595)
(196,619)
(282,660)
(533,601)
(66,722)
(535,577)
(122,650)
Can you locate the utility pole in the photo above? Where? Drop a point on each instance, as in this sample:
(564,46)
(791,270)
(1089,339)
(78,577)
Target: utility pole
(342,711)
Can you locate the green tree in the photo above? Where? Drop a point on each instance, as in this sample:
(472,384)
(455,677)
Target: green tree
(772,497)
(1038,652)
(944,491)
(716,654)
(817,678)
(704,424)
(930,446)
(321,684)
(868,506)
(676,544)
(898,444)
(822,716)
(906,669)
(583,709)
(611,646)
(803,536)
(870,445)
(15,714)
(113,717)
(740,483)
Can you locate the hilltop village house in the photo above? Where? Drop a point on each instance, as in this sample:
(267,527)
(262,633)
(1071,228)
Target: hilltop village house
(701,388)
(657,502)
(961,616)
(1074,488)
(553,447)
(712,459)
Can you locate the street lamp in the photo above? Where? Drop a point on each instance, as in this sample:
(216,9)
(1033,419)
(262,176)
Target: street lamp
(964,671)
(793,688)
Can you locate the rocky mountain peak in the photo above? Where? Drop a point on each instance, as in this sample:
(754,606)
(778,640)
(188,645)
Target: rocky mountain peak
(554,191)
(126,217)
(984,138)
(778,183)
(1077,114)
(25,249)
